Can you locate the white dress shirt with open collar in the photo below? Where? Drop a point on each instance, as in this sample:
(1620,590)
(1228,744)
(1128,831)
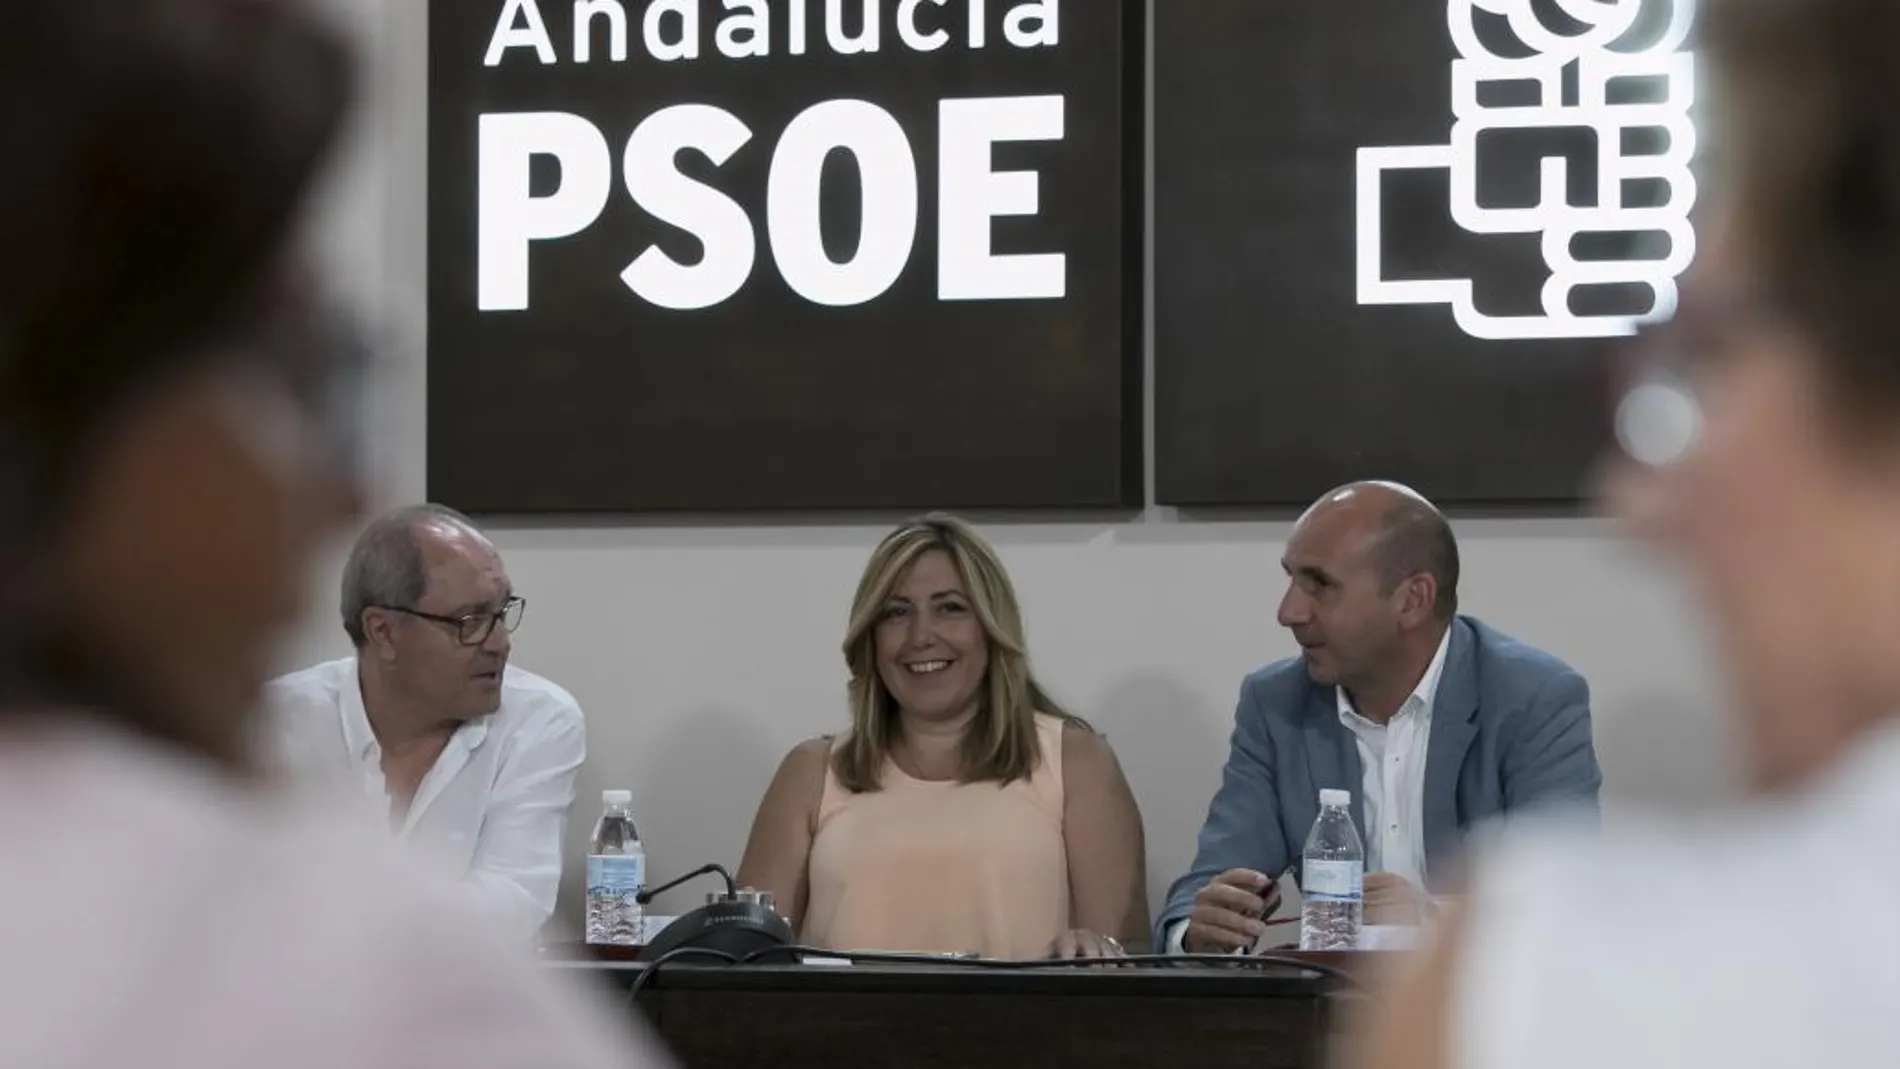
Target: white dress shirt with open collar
(493,809)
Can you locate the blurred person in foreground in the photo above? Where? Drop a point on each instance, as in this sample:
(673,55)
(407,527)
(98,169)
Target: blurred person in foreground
(459,752)
(1436,722)
(964,810)
(1761,440)
(175,412)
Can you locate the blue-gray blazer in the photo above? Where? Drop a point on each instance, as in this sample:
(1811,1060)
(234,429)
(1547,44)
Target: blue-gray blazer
(1510,729)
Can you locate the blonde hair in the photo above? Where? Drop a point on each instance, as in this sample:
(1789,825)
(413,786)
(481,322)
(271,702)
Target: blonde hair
(1001,744)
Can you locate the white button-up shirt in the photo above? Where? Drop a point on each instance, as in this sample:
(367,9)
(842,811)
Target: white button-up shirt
(1393,758)
(494,807)
(1687,972)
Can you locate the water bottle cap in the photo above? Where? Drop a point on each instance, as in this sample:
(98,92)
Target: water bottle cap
(1332,797)
(616,798)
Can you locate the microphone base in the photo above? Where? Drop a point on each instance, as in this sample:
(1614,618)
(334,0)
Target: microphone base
(732,927)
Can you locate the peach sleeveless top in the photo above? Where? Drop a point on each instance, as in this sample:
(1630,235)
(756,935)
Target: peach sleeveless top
(943,866)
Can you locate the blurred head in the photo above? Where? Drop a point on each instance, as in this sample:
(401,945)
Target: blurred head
(1761,429)
(936,635)
(174,411)
(1373,575)
(431,610)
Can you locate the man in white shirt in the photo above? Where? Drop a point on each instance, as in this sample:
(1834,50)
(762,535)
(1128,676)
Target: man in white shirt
(468,758)
(1434,721)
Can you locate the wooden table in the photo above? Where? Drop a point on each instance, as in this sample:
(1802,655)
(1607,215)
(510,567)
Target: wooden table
(868,1016)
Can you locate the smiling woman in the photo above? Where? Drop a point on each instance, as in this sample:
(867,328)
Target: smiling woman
(964,809)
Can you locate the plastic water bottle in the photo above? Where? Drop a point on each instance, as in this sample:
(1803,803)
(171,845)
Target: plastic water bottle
(1332,887)
(616,873)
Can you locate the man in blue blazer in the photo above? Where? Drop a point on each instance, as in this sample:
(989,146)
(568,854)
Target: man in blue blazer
(1432,720)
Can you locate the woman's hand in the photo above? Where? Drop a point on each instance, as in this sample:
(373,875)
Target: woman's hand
(1081,943)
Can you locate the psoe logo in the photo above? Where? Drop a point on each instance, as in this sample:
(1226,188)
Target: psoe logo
(1605,71)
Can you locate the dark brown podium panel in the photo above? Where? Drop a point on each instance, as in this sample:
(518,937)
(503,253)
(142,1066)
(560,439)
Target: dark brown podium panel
(922,1017)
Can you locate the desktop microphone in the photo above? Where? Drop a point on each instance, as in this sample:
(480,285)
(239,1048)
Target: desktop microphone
(648,894)
(739,922)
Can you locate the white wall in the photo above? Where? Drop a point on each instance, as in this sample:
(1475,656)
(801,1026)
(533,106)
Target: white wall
(701,653)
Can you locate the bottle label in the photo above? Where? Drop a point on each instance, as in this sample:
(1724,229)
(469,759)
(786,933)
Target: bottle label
(615,875)
(1334,881)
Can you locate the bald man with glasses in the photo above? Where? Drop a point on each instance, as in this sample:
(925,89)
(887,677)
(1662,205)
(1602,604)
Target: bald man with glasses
(469,758)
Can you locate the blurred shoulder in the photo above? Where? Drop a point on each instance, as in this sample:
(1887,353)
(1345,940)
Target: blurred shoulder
(425,962)
(438,970)
(1551,973)
(273,893)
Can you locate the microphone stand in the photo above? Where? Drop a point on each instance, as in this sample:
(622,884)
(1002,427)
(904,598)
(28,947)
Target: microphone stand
(648,894)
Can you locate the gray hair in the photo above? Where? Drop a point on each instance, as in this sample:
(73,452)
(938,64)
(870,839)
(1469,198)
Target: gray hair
(385,565)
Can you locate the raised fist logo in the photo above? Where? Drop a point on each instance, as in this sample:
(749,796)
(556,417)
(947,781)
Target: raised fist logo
(1616,68)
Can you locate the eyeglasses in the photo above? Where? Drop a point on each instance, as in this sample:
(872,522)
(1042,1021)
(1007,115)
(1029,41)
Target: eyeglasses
(321,352)
(1657,411)
(327,357)
(1658,416)
(474,628)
